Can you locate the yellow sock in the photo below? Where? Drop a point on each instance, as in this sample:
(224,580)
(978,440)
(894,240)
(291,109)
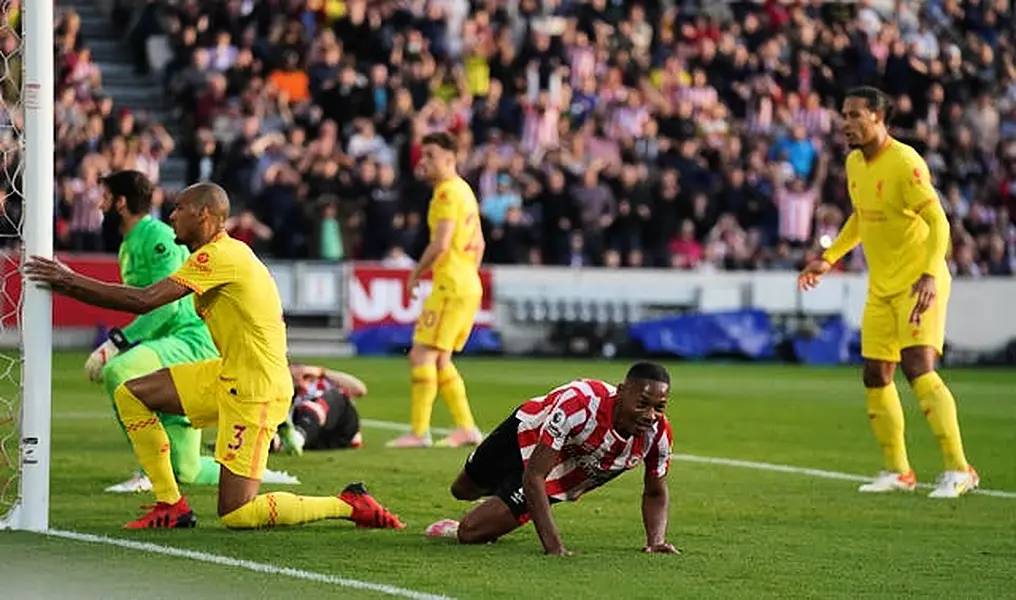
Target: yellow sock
(283,508)
(151,444)
(453,390)
(939,408)
(422,395)
(886,415)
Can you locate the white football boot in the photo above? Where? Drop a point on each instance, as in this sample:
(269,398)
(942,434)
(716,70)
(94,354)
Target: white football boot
(443,528)
(888,481)
(411,440)
(461,437)
(953,484)
(279,478)
(138,483)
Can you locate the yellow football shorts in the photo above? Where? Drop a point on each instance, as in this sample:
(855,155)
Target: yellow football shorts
(245,427)
(886,327)
(446,321)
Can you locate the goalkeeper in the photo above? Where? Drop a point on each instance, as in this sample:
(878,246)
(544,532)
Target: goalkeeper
(168,335)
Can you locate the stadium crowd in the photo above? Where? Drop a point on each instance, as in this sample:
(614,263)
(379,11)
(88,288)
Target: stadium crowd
(701,135)
(93,137)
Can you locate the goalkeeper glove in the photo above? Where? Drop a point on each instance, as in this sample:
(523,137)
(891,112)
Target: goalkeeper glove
(116,343)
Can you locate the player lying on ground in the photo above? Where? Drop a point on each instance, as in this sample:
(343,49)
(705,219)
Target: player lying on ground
(905,232)
(454,255)
(323,415)
(246,393)
(563,445)
(169,335)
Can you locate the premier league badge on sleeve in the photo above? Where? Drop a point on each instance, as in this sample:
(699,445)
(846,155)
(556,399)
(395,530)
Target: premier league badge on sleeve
(555,424)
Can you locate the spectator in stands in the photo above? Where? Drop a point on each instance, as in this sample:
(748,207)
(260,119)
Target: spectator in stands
(596,132)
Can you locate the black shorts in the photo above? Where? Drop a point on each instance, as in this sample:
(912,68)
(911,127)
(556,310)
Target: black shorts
(496,467)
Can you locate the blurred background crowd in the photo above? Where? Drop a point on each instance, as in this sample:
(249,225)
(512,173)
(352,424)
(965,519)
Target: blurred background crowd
(683,134)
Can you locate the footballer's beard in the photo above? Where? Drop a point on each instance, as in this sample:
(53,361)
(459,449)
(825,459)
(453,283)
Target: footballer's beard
(851,138)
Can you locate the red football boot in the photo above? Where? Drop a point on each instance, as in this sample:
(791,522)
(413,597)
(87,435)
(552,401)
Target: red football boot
(166,516)
(367,512)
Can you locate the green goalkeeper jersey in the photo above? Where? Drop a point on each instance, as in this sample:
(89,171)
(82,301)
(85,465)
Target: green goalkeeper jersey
(149,253)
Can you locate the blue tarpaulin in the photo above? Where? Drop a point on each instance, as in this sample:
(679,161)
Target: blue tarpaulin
(748,333)
(835,343)
(387,339)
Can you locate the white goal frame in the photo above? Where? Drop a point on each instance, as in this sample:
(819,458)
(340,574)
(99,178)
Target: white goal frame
(31,509)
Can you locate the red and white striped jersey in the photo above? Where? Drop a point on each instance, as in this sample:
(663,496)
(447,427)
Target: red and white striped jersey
(576,419)
(797,212)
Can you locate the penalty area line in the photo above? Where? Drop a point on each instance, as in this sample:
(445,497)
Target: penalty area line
(257,567)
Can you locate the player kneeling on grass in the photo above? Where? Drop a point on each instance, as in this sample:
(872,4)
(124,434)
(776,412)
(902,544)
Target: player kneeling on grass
(245,394)
(559,447)
(323,415)
(171,334)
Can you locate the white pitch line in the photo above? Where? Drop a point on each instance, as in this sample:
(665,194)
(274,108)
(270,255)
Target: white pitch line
(818,473)
(694,458)
(268,569)
(393,426)
(727,462)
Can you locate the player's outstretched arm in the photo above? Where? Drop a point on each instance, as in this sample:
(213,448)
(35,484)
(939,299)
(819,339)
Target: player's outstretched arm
(351,383)
(534,486)
(848,238)
(655,506)
(53,273)
(813,272)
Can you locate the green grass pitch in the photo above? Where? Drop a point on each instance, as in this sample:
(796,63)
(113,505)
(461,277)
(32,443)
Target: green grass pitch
(746,533)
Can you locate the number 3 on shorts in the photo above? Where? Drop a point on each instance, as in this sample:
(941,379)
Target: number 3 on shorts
(237,438)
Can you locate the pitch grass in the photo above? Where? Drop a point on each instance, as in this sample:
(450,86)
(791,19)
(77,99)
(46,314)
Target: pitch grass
(745,533)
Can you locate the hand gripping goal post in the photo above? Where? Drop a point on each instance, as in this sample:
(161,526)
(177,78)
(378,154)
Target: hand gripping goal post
(27,87)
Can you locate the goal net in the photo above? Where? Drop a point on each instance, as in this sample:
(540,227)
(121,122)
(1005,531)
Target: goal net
(26,228)
(11,222)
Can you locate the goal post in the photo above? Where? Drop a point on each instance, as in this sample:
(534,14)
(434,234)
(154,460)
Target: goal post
(33,181)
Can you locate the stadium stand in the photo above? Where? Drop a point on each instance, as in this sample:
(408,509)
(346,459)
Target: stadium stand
(691,135)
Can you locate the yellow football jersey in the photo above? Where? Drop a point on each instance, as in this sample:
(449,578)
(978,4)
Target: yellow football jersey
(888,193)
(455,272)
(237,298)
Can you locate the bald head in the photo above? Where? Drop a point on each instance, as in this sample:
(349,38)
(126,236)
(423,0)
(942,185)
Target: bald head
(200,214)
(208,196)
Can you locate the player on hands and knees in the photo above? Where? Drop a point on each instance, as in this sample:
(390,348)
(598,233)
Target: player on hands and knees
(905,232)
(454,255)
(245,394)
(559,447)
